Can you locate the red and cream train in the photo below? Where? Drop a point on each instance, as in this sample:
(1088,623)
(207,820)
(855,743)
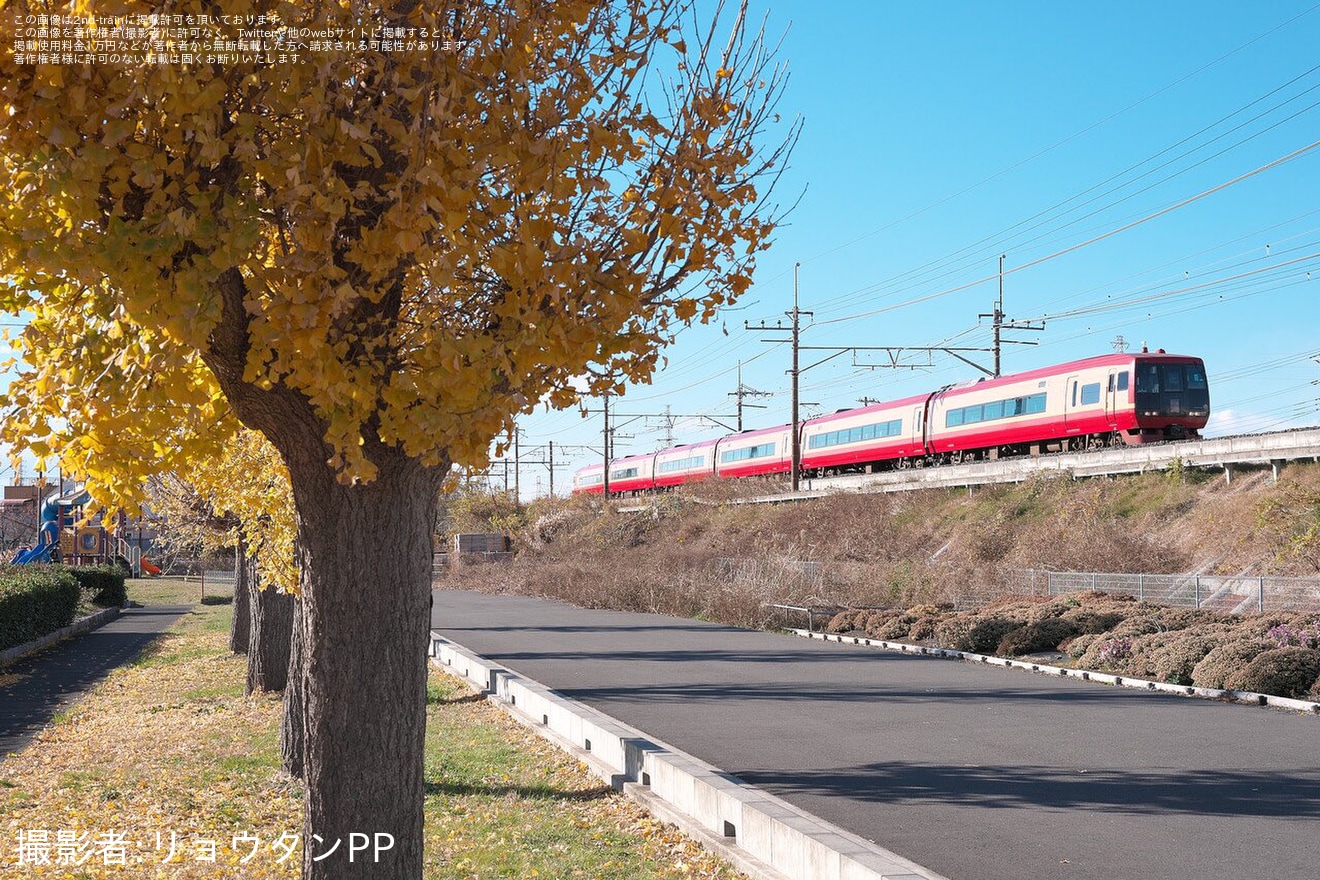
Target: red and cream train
(1101,401)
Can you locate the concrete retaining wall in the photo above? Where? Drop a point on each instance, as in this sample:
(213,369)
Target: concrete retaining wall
(766,836)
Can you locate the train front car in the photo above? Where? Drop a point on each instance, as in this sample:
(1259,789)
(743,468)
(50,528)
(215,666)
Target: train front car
(1170,398)
(1116,399)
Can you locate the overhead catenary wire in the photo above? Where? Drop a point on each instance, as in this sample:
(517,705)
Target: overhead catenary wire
(1295,154)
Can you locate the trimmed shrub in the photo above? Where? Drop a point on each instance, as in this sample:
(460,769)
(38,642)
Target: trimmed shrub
(34,602)
(1107,652)
(1173,656)
(101,584)
(1043,635)
(841,622)
(1077,647)
(1225,661)
(1283,672)
(896,628)
(986,634)
(1092,621)
(925,627)
(954,632)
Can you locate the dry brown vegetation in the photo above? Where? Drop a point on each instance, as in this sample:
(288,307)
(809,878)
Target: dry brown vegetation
(1270,653)
(918,554)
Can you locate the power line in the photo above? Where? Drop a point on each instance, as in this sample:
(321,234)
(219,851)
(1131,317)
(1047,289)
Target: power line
(1110,234)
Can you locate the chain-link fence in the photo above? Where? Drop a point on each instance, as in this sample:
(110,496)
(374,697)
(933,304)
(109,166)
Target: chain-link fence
(1231,593)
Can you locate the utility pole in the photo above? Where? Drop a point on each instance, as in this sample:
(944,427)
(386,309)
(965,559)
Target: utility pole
(744,391)
(605,477)
(797,449)
(517,488)
(552,469)
(795,467)
(998,323)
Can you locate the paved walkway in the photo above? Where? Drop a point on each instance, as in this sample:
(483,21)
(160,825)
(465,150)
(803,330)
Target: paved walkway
(44,683)
(977,773)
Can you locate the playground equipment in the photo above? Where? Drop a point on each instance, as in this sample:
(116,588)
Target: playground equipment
(61,538)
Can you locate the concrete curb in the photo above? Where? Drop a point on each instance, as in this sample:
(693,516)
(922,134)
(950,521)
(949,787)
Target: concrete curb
(762,835)
(77,628)
(1249,698)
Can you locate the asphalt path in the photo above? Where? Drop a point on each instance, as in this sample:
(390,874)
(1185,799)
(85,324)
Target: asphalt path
(33,689)
(979,773)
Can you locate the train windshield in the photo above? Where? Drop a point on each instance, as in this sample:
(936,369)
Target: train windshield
(1172,389)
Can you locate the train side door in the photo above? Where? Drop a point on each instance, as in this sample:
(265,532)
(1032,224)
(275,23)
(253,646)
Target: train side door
(1111,399)
(1071,390)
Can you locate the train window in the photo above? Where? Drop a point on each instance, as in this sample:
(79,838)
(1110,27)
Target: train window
(971,414)
(1091,393)
(954,418)
(1173,377)
(992,411)
(856,435)
(1111,382)
(1148,379)
(623,473)
(1074,393)
(759,451)
(681,464)
(1123,381)
(1195,378)
(1036,404)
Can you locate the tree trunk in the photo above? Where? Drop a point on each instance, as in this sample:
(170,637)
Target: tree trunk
(272,630)
(240,627)
(293,739)
(365,563)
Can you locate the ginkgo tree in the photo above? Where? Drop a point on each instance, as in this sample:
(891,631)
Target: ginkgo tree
(375,255)
(241,499)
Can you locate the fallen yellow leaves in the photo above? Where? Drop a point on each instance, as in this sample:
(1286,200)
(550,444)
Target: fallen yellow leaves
(154,775)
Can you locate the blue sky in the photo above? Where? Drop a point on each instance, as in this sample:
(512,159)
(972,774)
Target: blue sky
(938,136)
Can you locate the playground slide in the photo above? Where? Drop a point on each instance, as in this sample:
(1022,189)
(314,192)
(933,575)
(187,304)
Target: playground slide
(50,526)
(147,567)
(39,553)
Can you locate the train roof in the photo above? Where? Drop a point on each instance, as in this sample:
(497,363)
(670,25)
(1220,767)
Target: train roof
(875,407)
(701,444)
(754,432)
(1116,359)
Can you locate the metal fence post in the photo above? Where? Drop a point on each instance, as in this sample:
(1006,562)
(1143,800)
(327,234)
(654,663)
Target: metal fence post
(1141,587)
(1094,581)
(1260,588)
(1198,591)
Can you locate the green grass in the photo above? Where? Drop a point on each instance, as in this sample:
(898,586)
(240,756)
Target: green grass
(177,591)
